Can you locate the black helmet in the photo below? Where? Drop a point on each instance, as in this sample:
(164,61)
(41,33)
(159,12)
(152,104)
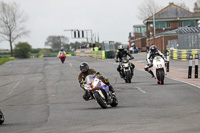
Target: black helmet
(153,49)
(120,47)
(84,67)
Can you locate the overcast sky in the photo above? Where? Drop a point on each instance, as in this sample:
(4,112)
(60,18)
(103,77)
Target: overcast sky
(111,19)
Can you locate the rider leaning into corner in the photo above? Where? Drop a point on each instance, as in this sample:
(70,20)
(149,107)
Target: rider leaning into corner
(85,71)
(153,51)
(123,53)
(61,52)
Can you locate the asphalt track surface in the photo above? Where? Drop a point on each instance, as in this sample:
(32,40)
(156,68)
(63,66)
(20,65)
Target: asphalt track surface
(43,96)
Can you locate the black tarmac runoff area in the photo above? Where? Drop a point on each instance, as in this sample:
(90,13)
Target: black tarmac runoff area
(42,95)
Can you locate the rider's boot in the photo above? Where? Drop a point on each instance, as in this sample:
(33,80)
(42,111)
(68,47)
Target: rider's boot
(112,90)
(152,74)
(132,71)
(121,74)
(86,96)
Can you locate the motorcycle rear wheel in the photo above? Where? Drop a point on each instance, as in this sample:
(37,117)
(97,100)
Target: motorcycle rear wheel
(115,102)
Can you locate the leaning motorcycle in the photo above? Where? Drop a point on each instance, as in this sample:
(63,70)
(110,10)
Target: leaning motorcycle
(99,91)
(62,58)
(1,117)
(125,70)
(159,69)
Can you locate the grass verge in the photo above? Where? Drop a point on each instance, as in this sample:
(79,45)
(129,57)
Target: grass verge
(4,60)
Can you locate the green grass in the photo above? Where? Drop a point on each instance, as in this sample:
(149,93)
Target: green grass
(4,60)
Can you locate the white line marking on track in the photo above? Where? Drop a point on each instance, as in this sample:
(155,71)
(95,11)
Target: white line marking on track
(16,84)
(178,80)
(139,89)
(185,82)
(14,87)
(70,64)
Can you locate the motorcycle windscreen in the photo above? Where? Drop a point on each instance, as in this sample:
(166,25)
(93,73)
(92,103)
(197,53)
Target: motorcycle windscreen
(89,79)
(125,60)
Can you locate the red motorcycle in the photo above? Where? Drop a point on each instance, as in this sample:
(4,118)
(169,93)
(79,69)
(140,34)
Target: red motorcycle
(62,58)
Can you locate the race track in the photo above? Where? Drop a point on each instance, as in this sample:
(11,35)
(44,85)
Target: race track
(43,96)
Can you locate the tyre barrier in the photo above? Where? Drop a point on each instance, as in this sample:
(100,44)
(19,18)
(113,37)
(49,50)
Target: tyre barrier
(183,54)
(175,54)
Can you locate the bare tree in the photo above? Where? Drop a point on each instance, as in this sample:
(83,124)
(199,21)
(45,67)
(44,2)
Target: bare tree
(150,7)
(56,42)
(12,21)
(197,6)
(147,9)
(183,5)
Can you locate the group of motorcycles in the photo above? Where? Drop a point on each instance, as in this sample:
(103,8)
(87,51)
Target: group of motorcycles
(158,69)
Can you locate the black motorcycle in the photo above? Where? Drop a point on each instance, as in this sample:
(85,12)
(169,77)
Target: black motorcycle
(1,117)
(125,70)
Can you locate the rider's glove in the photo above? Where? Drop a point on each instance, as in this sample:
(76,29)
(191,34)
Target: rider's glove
(131,58)
(82,83)
(97,74)
(82,86)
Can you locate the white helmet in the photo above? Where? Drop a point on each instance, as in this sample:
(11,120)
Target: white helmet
(120,47)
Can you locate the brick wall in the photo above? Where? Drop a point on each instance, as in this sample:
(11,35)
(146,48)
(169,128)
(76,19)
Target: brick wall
(174,25)
(161,42)
(141,43)
(137,35)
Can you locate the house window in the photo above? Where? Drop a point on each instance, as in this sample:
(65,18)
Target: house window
(168,24)
(138,29)
(180,23)
(160,25)
(187,23)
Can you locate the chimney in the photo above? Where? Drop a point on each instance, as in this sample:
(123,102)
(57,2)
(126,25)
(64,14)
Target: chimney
(171,3)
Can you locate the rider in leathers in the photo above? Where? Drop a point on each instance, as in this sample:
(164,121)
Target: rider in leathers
(123,53)
(85,71)
(61,52)
(150,56)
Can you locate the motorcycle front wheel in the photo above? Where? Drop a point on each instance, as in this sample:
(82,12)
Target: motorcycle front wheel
(1,117)
(100,100)
(161,76)
(62,60)
(128,77)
